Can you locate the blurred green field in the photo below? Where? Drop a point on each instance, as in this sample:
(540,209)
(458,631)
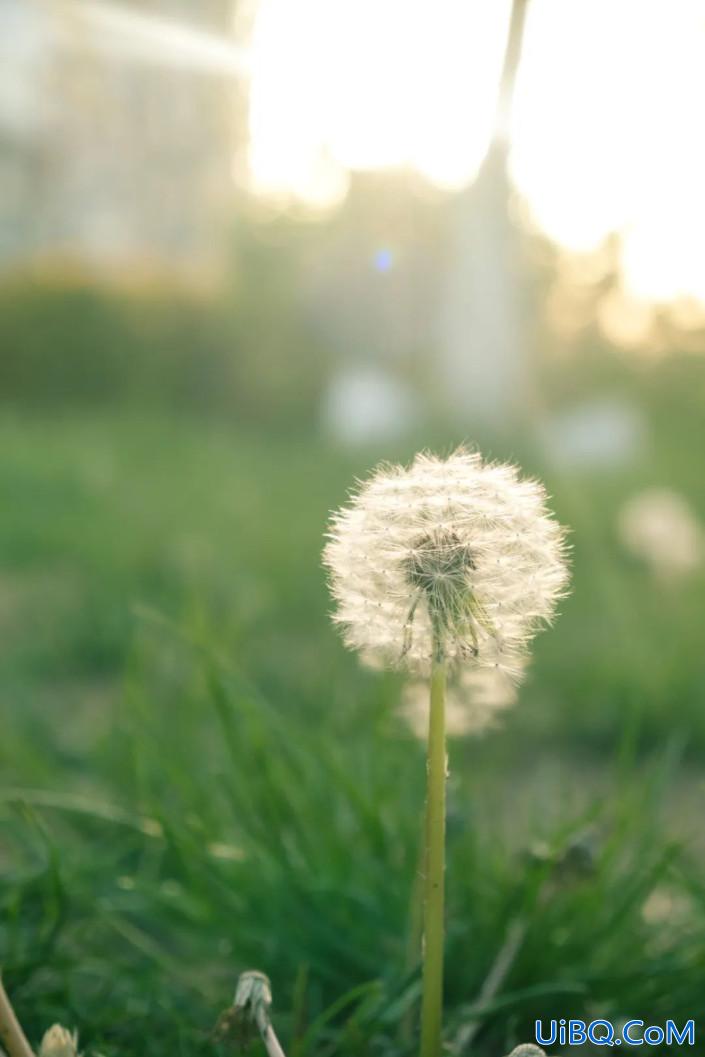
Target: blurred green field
(198,779)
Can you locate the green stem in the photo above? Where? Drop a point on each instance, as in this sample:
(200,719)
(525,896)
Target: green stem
(432,994)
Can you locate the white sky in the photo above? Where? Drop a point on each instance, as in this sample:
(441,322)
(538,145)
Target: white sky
(606,135)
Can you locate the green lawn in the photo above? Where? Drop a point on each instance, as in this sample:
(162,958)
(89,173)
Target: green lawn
(198,779)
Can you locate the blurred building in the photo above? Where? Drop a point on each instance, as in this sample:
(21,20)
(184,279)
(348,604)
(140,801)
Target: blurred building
(116,141)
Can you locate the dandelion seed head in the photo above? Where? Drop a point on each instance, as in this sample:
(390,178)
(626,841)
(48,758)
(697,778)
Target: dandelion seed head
(659,526)
(454,554)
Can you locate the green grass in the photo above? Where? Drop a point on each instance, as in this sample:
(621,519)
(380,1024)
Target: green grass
(198,779)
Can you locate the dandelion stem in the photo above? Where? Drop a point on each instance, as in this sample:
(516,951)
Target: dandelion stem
(432,992)
(271,1042)
(11,1034)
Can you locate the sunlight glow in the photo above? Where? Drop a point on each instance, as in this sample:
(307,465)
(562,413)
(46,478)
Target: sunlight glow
(605,132)
(113,29)
(607,139)
(339,85)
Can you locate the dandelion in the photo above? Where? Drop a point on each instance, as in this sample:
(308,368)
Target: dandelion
(659,527)
(59,1042)
(249,1015)
(446,567)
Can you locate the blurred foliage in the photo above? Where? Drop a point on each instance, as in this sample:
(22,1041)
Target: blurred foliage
(68,339)
(230,832)
(199,779)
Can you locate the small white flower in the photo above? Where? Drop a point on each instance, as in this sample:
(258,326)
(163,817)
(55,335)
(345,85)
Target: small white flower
(454,555)
(59,1042)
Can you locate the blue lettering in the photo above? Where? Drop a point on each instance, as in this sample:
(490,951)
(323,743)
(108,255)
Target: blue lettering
(626,1032)
(576,1033)
(676,1038)
(654,1035)
(539,1037)
(601,1040)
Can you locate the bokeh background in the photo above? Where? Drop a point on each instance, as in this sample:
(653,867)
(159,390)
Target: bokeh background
(246,251)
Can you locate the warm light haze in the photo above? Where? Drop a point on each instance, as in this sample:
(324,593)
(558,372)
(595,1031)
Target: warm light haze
(604,137)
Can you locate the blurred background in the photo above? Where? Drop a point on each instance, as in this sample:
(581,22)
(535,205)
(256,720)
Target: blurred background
(248,249)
